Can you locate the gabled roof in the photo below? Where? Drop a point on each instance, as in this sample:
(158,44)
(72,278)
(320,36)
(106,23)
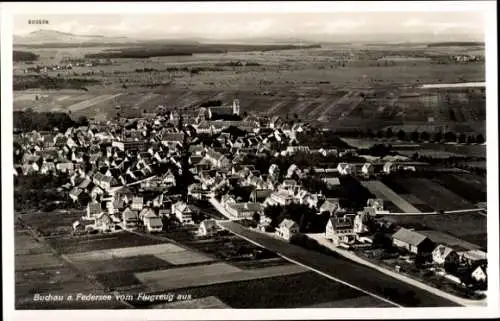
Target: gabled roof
(409,237)
(443,250)
(129,214)
(94,208)
(288,224)
(341,222)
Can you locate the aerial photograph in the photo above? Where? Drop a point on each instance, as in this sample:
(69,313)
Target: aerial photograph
(250,160)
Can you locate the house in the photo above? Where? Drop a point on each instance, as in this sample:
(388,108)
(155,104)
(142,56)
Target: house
(480,274)
(330,205)
(279,198)
(244,210)
(331,182)
(367,169)
(340,230)
(274,170)
(388,167)
(74,194)
(30,167)
(293,169)
(153,223)
(169,179)
(182,212)
(289,185)
(130,218)
(217,159)
(346,169)
(412,242)
(264,223)
(473,258)
(175,138)
(359,223)
(47,167)
(95,192)
(207,228)
(137,203)
(146,212)
(260,195)
(104,223)
(443,254)
(375,203)
(93,209)
(290,150)
(287,229)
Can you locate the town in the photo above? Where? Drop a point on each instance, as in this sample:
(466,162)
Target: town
(214,171)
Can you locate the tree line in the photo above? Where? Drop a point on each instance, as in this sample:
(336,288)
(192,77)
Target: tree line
(25,121)
(416,136)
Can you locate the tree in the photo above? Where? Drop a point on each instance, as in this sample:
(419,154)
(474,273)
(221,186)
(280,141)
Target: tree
(471,139)
(480,139)
(438,137)
(424,136)
(462,138)
(256,217)
(415,136)
(401,134)
(389,133)
(450,137)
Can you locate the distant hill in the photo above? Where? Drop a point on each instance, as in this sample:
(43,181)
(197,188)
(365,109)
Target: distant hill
(48,36)
(456,44)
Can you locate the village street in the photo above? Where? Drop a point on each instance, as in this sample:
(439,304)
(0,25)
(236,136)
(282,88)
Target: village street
(360,277)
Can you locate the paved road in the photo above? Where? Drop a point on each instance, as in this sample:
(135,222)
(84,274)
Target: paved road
(363,278)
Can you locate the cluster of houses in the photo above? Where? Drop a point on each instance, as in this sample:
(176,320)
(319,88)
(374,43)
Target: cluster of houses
(124,173)
(449,257)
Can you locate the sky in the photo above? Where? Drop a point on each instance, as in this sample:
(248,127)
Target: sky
(242,25)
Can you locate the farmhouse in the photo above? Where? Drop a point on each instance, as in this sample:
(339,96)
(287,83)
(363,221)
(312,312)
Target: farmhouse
(130,218)
(346,169)
(330,205)
(207,228)
(443,254)
(182,212)
(153,223)
(340,230)
(279,198)
(388,168)
(93,209)
(287,229)
(104,223)
(473,258)
(137,203)
(244,210)
(412,242)
(367,169)
(480,274)
(376,203)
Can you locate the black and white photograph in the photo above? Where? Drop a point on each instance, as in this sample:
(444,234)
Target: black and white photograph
(243,156)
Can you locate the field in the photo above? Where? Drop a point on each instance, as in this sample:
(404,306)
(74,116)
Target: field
(382,191)
(216,273)
(433,194)
(132,263)
(336,85)
(302,290)
(39,271)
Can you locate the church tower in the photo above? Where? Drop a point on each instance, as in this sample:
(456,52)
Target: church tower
(236,107)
